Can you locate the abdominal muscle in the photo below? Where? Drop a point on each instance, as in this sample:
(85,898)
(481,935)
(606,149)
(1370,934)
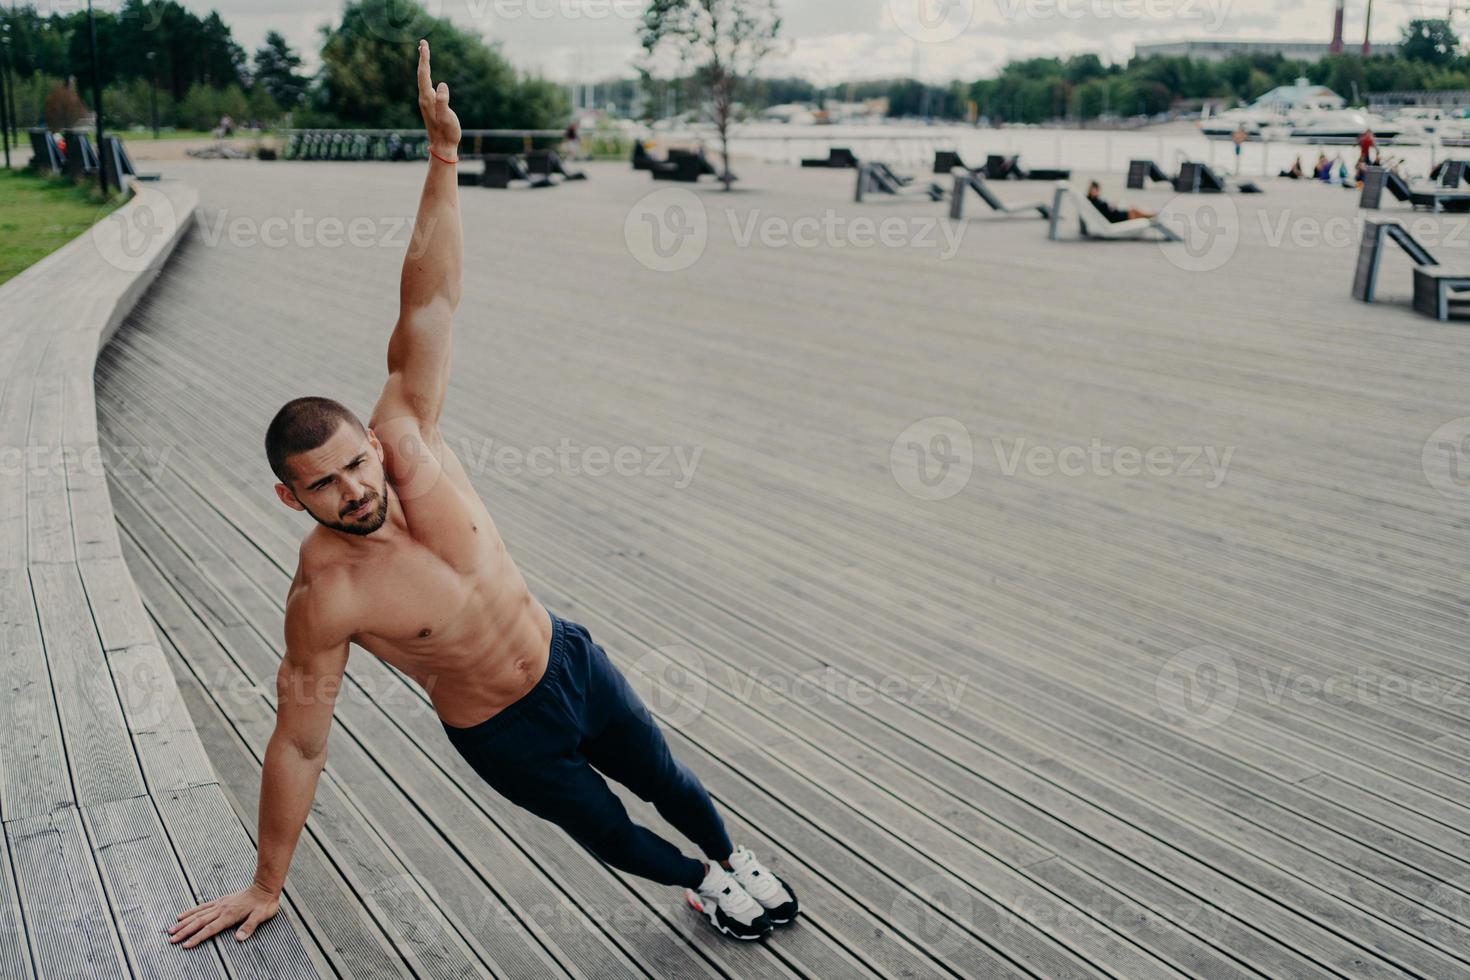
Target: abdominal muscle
(488,659)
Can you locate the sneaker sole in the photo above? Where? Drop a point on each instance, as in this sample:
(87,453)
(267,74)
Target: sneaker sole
(695,904)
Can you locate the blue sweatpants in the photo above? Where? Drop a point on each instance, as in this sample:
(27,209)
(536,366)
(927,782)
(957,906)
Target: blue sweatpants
(545,752)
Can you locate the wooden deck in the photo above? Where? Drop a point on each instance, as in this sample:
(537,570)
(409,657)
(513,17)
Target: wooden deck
(956,726)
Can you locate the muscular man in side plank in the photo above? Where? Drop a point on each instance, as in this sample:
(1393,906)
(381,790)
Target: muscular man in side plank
(406,562)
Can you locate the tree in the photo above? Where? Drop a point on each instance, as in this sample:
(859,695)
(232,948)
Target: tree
(723,40)
(369,74)
(275,72)
(1429,40)
(64,109)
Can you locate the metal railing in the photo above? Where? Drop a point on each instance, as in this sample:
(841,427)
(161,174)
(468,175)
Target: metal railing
(406,144)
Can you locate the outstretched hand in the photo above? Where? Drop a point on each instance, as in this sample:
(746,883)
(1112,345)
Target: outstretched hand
(252,906)
(439,119)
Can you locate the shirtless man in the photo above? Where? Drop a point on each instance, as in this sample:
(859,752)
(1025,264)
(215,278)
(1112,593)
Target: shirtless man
(406,563)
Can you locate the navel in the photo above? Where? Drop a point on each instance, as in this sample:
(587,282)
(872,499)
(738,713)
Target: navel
(424,632)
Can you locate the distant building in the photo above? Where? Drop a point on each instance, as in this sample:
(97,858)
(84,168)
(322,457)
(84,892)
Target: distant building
(1221,50)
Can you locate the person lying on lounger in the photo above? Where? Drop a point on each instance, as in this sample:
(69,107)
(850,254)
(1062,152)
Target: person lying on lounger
(1115,215)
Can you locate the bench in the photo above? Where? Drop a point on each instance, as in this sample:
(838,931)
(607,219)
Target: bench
(46,156)
(837,158)
(1093,224)
(879,178)
(548,163)
(115,819)
(1140,172)
(975,182)
(1432,287)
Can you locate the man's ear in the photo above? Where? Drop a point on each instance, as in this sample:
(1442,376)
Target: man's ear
(288,497)
(375,443)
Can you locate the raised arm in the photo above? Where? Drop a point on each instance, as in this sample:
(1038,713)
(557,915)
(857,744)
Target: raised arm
(306,693)
(433,272)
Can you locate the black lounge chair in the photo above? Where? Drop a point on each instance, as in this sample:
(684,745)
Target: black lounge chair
(1436,197)
(46,156)
(1201,178)
(81,155)
(686,167)
(117,164)
(973,181)
(548,164)
(1433,283)
(838,158)
(1009,168)
(501,169)
(642,159)
(1452,173)
(879,178)
(1140,172)
(948,161)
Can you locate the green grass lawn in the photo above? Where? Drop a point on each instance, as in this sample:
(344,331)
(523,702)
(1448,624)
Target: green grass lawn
(38,215)
(183,134)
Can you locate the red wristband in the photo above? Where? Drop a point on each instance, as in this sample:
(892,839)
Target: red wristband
(438,157)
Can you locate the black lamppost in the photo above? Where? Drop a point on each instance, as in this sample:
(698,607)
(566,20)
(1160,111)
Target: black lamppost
(97,102)
(153,90)
(4,92)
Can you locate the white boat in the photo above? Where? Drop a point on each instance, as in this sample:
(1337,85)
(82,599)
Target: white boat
(1305,112)
(1340,126)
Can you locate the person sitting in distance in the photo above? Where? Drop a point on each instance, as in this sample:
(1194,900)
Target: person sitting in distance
(1115,215)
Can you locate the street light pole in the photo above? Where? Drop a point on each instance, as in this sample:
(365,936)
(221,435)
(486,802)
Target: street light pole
(97,102)
(153,90)
(5,95)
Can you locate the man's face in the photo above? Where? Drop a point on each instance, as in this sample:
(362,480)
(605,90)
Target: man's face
(340,483)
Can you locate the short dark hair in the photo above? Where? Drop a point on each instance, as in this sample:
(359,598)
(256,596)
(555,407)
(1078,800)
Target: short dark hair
(304,424)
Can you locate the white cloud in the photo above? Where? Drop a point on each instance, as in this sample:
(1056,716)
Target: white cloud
(838,40)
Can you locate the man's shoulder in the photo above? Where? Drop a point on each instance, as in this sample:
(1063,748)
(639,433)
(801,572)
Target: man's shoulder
(319,602)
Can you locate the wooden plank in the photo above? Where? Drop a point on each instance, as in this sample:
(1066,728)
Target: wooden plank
(32,758)
(67,915)
(1324,553)
(93,527)
(147,889)
(163,733)
(218,858)
(99,752)
(15,947)
(116,609)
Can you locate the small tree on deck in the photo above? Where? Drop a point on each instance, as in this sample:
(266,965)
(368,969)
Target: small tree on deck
(723,41)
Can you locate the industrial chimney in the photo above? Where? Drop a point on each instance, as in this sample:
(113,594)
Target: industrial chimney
(1337,28)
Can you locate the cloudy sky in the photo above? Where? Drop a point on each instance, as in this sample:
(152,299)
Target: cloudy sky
(839,40)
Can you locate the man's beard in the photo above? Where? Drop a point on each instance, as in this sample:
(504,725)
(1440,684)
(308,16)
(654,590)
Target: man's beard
(368,524)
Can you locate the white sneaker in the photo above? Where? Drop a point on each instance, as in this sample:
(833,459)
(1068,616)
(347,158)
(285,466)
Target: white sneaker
(773,894)
(734,913)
